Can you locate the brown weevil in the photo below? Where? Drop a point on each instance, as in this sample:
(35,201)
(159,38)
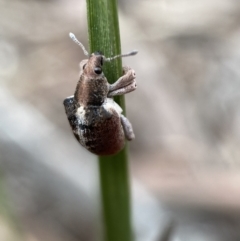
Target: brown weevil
(96,120)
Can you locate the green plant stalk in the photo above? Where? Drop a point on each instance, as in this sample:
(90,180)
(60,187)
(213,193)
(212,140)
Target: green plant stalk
(103,30)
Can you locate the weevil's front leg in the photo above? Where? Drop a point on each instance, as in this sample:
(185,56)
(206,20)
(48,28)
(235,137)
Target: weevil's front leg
(124,84)
(127,128)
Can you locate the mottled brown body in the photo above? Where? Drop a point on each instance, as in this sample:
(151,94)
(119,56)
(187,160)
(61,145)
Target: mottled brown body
(103,136)
(96,120)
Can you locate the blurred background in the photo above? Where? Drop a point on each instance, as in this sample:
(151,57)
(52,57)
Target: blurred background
(185,160)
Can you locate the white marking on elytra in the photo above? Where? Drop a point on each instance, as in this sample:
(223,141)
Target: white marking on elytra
(111,104)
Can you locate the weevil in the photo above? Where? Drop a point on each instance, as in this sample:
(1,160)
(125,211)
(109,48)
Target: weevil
(95,118)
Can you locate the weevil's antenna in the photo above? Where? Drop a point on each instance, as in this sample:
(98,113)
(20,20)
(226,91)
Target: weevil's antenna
(134,52)
(72,36)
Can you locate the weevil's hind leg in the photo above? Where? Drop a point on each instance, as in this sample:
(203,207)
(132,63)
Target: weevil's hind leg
(127,128)
(124,84)
(69,105)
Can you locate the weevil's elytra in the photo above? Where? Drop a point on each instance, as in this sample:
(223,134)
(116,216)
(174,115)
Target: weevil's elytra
(96,120)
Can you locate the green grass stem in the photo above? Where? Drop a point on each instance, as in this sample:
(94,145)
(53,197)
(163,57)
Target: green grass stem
(103,29)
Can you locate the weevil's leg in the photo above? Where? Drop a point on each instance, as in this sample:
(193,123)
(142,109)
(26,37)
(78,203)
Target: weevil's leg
(127,128)
(123,90)
(127,79)
(69,105)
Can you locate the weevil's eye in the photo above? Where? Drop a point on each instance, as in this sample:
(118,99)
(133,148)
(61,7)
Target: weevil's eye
(98,70)
(84,66)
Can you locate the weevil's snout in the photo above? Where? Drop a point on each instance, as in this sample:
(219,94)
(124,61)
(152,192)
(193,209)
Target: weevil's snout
(94,65)
(98,58)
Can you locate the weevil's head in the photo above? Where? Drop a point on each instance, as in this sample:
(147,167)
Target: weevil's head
(92,88)
(92,67)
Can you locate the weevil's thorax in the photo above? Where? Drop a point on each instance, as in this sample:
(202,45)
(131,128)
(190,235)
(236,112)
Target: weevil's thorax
(92,88)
